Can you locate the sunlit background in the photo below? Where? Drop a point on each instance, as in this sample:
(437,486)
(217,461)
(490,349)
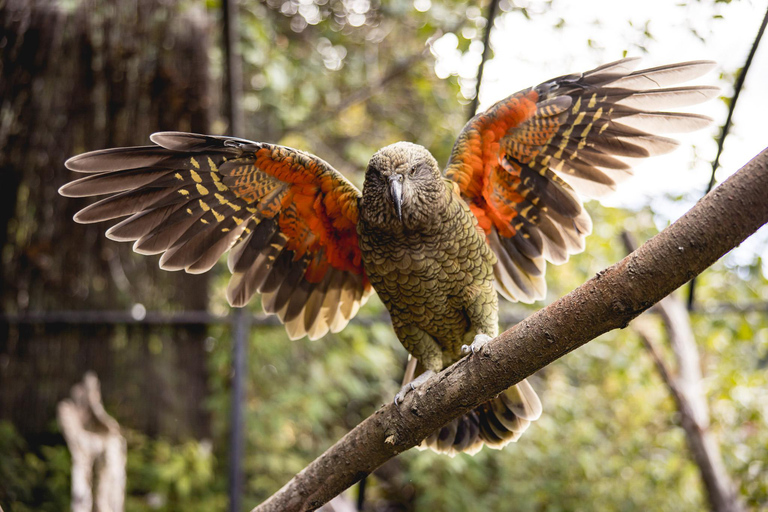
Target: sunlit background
(660,32)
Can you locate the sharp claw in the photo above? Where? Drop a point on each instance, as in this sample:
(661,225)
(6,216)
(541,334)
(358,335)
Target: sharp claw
(400,396)
(477,345)
(407,388)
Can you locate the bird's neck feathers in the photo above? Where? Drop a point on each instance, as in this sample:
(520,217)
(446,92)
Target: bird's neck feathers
(426,207)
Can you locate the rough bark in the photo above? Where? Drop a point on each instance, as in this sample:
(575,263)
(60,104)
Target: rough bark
(610,300)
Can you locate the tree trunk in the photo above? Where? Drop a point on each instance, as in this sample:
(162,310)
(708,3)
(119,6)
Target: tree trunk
(74,80)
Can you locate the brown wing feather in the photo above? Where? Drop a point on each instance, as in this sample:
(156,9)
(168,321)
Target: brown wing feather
(288,217)
(523,164)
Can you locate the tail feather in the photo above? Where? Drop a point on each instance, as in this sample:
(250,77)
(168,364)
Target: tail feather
(496,423)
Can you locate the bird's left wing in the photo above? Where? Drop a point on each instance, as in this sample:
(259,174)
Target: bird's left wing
(523,163)
(288,216)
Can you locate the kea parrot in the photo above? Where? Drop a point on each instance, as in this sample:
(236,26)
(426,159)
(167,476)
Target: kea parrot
(437,247)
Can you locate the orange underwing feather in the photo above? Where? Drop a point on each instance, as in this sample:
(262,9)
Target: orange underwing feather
(287,218)
(523,165)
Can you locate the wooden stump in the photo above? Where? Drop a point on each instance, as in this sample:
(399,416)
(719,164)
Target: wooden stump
(98,449)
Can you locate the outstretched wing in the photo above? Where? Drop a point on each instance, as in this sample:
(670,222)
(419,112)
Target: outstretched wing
(288,216)
(523,163)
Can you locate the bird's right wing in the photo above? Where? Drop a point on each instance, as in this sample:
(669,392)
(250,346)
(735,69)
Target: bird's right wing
(289,218)
(522,165)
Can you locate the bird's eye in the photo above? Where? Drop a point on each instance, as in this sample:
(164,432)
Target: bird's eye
(413,169)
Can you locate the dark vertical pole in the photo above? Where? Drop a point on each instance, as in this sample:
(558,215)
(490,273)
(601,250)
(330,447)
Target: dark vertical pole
(240,322)
(240,328)
(738,86)
(361,494)
(234,69)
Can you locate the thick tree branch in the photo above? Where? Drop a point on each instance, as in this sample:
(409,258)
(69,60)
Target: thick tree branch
(611,299)
(688,380)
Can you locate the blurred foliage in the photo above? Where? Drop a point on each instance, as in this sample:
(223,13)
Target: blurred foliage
(32,480)
(344,78)
(160,476)
(163,476)
(304,396)
(329,77)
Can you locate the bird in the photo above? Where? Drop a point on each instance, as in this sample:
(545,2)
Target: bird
(438,246)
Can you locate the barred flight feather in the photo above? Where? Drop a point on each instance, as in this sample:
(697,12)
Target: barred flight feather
(575,135)
(194,197)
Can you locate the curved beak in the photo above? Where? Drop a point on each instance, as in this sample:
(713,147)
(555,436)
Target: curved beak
(396,190)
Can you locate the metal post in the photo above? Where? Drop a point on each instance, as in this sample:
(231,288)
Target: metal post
(233,69)
(240,329)
(240,321)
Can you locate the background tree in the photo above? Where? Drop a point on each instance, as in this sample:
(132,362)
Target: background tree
(78,79)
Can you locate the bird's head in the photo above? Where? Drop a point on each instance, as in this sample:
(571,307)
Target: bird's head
(403,187)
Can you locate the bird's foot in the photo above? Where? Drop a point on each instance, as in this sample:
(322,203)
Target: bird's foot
(410,386)
(478,343)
